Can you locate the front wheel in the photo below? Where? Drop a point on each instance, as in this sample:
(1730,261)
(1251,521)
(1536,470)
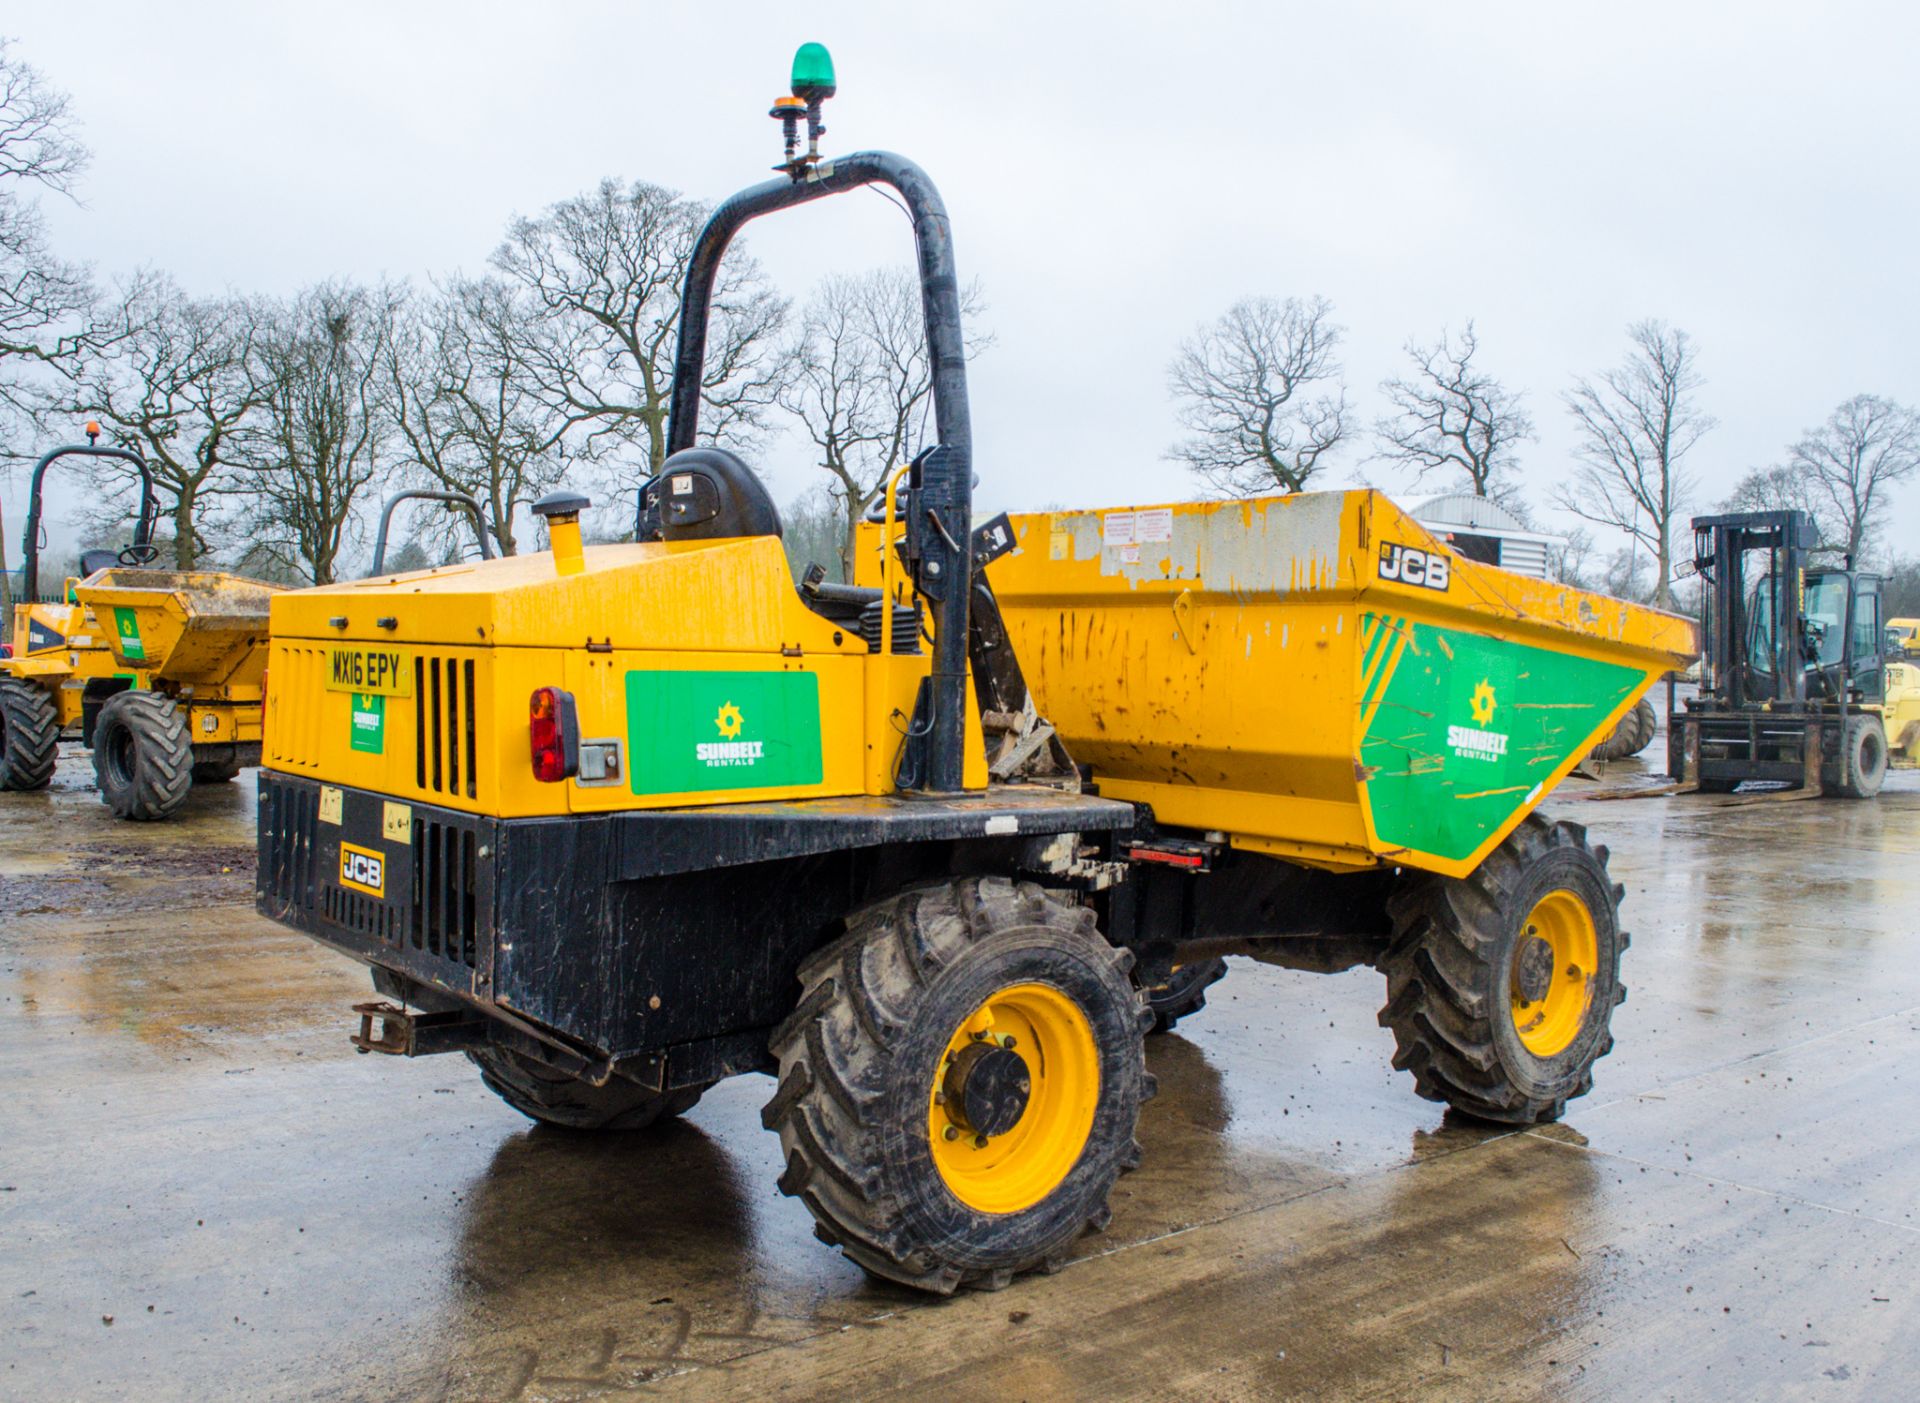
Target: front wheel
(142,755)
(1863,758)
(1501,985)
(960,1083)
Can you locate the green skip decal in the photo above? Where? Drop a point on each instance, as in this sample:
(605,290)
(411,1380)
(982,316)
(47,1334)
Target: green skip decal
(127,624)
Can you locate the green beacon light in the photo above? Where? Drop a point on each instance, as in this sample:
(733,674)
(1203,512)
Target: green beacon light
(813,84)
(812,73)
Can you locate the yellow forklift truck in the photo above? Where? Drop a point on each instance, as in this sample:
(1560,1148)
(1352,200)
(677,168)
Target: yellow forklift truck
(620,821)
(1796,685)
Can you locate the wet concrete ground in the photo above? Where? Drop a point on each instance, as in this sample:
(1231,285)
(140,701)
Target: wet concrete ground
(204,1193)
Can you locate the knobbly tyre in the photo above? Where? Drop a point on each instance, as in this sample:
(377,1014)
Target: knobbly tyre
(624,820)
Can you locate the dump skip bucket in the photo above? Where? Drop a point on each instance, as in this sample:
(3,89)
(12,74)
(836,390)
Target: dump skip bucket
(189,626)
(1316,676)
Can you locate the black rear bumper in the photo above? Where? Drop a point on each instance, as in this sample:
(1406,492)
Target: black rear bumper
(432,918)
(630,935)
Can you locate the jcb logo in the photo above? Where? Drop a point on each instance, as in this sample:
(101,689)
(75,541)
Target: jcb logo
(1427,569)
(363,870)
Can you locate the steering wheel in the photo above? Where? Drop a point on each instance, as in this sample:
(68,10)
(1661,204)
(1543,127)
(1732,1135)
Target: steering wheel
(139,555)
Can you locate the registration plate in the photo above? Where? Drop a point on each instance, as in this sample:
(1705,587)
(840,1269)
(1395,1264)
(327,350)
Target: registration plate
(376,672)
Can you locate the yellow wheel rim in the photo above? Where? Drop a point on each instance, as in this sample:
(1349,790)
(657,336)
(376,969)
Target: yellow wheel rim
(1019,1164)
(1550,980)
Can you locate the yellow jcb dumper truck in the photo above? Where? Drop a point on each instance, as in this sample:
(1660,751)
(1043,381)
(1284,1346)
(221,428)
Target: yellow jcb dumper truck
(160,670)
(620,821)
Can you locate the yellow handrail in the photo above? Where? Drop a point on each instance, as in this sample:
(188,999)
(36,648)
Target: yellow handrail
(886,564)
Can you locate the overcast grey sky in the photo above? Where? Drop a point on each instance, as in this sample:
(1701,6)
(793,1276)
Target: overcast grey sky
(1116,174)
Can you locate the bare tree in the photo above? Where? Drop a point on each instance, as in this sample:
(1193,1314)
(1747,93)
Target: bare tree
(171,379)
(1451,417)
(466,406)
(44,300)
(858,381)
(814,528)
(37,138)
(1778,489)
(1850,462)
(605,270)
(1242,388)
(1637,422)
(318,440)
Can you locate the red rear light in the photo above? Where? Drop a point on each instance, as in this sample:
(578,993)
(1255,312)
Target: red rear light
(553,728)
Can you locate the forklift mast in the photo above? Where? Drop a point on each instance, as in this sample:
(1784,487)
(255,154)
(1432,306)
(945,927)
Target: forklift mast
(1764,643)
(1734,608)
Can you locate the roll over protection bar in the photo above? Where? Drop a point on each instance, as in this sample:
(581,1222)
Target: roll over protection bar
(940,508)
(142,528)
(458,499)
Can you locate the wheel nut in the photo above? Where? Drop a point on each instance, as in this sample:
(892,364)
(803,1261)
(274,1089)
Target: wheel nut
(979,1142)
(952,1132)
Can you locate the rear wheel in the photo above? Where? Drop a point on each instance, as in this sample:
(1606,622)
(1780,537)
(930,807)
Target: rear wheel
(554,1097)
(29,735)
(1632,735)
(215,771)
(142,755)
(1501,985)
(1184,993)
(1863,758)
(960,1083)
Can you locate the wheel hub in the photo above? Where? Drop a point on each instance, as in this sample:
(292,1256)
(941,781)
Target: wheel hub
(1533,973)
(987,1087)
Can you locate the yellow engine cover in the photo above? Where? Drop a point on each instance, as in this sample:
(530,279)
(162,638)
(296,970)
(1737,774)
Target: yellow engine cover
(694,664)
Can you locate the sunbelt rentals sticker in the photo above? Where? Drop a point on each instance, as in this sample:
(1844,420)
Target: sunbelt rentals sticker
(695,731)
(1479,741)
(127,624)
(369,721)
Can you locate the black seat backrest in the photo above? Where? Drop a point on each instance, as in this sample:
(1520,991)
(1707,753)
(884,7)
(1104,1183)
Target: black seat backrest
(94,561)
(704,494)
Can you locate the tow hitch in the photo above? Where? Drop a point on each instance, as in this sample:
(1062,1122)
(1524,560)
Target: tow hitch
(407,1034)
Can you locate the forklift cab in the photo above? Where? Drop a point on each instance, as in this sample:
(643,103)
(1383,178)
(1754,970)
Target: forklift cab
(1841,634)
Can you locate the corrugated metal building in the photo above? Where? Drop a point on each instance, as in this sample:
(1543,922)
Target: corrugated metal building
(1483,530)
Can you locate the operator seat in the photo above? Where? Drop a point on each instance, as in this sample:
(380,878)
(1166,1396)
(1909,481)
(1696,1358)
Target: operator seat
(706,494)
(94,561)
